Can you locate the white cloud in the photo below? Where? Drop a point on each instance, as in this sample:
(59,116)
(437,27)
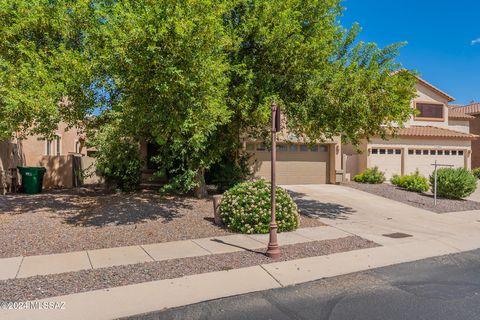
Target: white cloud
(475,41)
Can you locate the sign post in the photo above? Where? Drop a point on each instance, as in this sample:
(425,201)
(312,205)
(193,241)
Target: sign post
(435,179)
(273,250)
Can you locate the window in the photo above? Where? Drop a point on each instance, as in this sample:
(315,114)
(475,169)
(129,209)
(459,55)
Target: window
(323,148)
(250,146)
(314,148)
(410,151)
(77,146)
(447,152)
(49,148)
(59,145)
(303,147)
(418,152)
(440,152)
(390,151)
(281,147)
(293,148)
(433,152)
(454,152)
(429,110)
(460,152)
(425,152)
(382,151)
(398,151)
(261,147)
(374,151)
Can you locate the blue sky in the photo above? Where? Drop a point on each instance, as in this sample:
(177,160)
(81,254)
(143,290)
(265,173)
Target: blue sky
(440,34)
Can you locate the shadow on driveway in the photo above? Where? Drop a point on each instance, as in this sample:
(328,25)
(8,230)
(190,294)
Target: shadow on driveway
(317,209)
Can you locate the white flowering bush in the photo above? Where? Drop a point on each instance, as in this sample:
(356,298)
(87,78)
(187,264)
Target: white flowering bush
(246,208)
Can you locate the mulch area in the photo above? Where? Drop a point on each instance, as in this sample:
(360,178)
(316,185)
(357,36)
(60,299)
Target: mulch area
(39,287)
(89,218)
(419,200)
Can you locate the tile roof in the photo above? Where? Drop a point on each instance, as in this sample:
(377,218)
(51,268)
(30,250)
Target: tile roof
(456,113)
(434,132)
(470,109)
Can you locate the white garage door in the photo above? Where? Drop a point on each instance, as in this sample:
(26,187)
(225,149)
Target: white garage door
(422,159)
(388,160)
(296,163)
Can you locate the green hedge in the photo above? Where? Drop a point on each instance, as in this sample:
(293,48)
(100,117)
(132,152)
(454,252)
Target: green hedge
(414,182)
(370,175)
(246,208)
(476,172)
(454,183)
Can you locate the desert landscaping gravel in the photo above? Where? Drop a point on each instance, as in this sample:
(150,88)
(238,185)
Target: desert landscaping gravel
(89,218)
(39,287)
(419,200)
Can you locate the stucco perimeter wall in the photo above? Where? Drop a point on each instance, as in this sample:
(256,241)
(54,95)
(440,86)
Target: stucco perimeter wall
(88,168)
(354,159)
(59,170)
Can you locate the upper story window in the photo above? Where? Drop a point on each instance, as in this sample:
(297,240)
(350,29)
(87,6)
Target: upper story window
(429,111)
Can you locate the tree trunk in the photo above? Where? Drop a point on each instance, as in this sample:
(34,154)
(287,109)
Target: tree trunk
(201,188)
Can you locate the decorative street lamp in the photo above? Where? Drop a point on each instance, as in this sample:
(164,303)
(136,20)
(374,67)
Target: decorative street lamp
(273,250)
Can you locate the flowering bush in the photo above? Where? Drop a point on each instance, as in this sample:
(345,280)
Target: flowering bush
(246,208)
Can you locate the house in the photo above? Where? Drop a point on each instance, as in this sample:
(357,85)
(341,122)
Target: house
(436,133)
(472,110)
(55,155)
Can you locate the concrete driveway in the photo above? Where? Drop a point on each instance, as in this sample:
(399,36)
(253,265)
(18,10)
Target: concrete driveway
(371,216)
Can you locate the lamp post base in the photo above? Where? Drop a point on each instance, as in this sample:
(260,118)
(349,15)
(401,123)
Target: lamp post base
(273,250)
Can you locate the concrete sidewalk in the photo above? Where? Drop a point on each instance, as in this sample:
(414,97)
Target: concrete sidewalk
(23,267)
(157,295)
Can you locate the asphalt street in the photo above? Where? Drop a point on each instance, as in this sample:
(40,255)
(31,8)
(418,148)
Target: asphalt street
(442,288)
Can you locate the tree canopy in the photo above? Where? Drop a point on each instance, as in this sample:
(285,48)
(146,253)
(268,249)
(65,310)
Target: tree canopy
(193,76)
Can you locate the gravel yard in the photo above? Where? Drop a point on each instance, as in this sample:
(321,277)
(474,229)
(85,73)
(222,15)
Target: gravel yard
(39,287)
(419,200)
(88,218)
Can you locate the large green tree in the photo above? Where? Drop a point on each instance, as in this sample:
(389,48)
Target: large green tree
(194,76)
(45,72)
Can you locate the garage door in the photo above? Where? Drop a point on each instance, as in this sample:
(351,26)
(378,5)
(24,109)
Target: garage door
(388,160)
(422,159)
(296,163)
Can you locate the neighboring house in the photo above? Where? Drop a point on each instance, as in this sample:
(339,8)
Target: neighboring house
(55,155)
(436,133)
(472,110)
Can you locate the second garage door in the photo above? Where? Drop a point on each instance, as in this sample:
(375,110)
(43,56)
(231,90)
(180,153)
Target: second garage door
(296,163)
(422,159)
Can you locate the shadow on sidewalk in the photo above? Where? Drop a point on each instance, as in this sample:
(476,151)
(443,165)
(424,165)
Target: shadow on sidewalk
(317,209)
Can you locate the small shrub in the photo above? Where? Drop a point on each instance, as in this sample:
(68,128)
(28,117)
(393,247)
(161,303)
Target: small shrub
(370,175)
(246,208)
(454,183)
(414,182)
(476,172)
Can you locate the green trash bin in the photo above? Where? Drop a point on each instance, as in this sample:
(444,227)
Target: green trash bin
(32,179)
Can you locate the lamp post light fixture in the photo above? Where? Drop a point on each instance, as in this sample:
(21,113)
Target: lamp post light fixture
(273,250)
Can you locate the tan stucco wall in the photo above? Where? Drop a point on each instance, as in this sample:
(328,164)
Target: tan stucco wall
(475,129)
(459,125)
